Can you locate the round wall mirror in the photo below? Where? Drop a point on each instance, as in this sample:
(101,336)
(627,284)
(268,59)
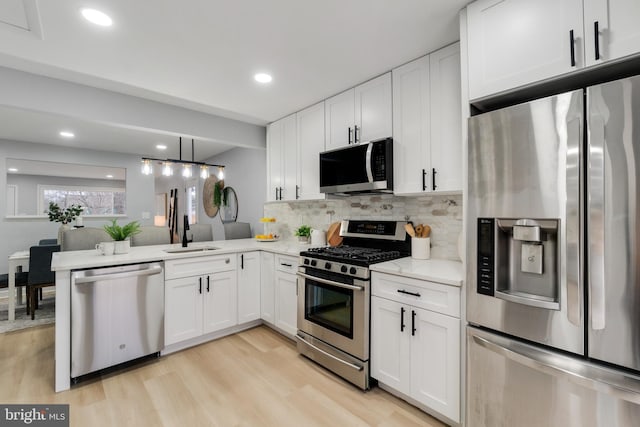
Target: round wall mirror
(229,206)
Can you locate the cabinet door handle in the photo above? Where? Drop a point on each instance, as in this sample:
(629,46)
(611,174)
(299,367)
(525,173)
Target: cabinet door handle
(276,193)
(433,178)
(349,135)
(200,285)
(572,47)
(297,192)
(227,261)
(242,262)
(286,265)
(424,180)
(207,283)
(415,294)
(355,134)
(596,35)
(413,322)
(402,310)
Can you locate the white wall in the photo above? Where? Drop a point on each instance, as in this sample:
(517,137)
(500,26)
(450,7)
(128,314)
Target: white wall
(20,234)
(245,171)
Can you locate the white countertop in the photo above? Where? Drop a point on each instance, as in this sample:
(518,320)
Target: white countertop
(434,270)
(75,260)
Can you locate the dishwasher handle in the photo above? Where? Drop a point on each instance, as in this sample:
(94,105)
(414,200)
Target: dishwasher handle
(157,269)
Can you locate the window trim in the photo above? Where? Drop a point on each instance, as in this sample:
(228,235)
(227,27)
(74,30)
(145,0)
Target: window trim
(42,187)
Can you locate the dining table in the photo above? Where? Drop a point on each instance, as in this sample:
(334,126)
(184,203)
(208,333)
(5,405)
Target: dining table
(18,261)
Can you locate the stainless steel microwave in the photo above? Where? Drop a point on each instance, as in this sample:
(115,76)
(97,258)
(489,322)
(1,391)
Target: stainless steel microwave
(366,167)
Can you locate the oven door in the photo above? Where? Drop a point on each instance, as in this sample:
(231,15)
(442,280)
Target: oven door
(335,312)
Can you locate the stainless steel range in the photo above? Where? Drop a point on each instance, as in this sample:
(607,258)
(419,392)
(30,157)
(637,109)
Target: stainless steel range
(335,296)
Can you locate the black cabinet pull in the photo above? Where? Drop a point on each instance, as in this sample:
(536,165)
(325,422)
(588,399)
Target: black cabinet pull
(596,34)
(286,265)
(433,178)
(413,322)
(424,180)
(276,193)
(200,285)
(297,191)
(402,291)
(402,310)
(280,193)
(349,135)
(242,261)
(207,283)
(572,46)
(355,134)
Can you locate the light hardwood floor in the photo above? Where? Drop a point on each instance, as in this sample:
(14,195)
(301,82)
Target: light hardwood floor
(254,378)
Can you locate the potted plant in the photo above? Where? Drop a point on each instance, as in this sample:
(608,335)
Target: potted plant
(303,232)
(122,234)
(63,216)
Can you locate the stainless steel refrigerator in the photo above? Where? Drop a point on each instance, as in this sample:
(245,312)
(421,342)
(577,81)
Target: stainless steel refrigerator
(553,271)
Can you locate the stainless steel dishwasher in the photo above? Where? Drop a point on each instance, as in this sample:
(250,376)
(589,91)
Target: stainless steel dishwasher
(117,315)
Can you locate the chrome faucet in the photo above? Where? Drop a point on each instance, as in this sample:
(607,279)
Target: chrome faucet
(185,227)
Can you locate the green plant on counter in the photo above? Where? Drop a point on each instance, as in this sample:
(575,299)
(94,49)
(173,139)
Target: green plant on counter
(64,216)
(118,233)
(303,231)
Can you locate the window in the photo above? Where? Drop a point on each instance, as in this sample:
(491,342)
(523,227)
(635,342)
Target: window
(192,203)
(95,200)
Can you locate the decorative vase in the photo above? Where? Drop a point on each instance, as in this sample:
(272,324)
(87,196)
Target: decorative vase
(303,239)
(61,230)
(122,246)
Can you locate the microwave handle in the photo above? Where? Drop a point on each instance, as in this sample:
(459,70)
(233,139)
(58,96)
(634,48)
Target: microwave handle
(368,162)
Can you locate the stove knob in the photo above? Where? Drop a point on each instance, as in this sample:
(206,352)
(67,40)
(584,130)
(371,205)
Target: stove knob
(313,263)
(352,270)
(327,265)
(306,262)
(343,269)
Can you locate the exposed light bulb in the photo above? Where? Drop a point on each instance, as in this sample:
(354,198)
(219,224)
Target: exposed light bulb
(167,169)
(186,171)
(204,171)
(147,167)
(220,173)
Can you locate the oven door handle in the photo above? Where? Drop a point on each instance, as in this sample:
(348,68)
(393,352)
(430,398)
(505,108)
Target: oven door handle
(331,282)
(351,365)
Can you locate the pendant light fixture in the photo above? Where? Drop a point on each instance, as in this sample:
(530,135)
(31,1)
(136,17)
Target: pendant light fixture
(186,165)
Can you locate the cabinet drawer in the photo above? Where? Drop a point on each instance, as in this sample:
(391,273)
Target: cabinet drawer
(428,295)
(186,267)
(286,263)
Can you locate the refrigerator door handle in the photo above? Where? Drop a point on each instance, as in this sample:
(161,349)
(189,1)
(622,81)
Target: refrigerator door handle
(594,378)
(596,221)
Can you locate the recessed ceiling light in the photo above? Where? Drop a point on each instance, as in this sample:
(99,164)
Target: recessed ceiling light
(97,17)
(109,176)
(161,147)
(67,134)
(12,170)
(263,78)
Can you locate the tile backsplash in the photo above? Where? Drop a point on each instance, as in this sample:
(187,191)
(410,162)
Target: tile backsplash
(442,213)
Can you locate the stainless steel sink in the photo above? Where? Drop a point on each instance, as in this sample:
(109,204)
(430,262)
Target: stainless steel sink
(186,250)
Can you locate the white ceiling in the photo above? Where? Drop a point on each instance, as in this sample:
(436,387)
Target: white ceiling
(202,54)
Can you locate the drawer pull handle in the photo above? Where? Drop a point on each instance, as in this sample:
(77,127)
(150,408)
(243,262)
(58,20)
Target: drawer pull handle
(402,310)
(227,261)
(200,285)
(415,294)
(286,265)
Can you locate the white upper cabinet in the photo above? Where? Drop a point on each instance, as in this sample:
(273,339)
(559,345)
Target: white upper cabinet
(427,127)
(310,126)
(339,120)
(373,110)
(282,159)
(360,114)
(512,43)
(611,29)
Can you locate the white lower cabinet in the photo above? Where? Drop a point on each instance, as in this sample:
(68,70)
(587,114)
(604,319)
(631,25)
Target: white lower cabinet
(200,296)
(267,281)
(286,294)
(248,286)
(416,350)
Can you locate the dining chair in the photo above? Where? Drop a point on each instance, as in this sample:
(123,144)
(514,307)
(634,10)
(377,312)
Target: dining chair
(48,242)
(200,233)
(83,238)
(151,235)
(40,274)
(237,230)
